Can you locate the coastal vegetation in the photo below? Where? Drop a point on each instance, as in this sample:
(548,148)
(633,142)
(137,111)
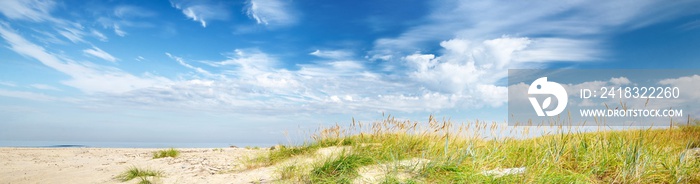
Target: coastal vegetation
(403,151)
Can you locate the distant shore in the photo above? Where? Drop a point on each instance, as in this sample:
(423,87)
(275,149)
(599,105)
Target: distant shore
(102,165)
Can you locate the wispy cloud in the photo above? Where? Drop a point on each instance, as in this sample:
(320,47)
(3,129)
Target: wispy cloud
(271,12)
(332,54)
(72,34)
(578,26)
(183,63)
(26,95)
(84,76)
(127,11)
(99,53)
(32,10)
(118,30)
(201,11)
(690,25)
(123,17)
(8,83)
(99,35)
(248,60)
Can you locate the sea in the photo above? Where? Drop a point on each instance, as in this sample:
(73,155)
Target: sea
(102,144)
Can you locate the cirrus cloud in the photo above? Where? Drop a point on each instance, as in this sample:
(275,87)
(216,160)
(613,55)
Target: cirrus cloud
(271,12)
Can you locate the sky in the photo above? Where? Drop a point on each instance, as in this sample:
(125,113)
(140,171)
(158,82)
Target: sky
(256,71)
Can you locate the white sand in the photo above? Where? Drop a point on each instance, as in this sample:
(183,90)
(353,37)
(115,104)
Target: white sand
(101,165)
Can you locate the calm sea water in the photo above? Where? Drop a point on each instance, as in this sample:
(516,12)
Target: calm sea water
(126,144)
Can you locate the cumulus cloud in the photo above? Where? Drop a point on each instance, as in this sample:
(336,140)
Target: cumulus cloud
(620,81)
(464,65)
(99,53)
(271,12)
(688,85)
(201,11)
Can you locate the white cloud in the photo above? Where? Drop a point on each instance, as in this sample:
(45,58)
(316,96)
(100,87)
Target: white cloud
(72,34)
(251,81)
(332,54)
(577,36)
(687,85)
(99,53)
(465,65)
(118,30)
(271,12)
(126,11)
(87,77)
(560,49)
(99,35)
(126,16)
(251,60)
(183,63)
(32,10)
(620,81)
(201,11)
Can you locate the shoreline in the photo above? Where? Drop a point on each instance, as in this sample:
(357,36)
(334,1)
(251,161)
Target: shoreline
(125,144)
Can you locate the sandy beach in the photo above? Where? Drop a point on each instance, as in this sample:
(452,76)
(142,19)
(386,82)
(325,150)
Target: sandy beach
(102,165)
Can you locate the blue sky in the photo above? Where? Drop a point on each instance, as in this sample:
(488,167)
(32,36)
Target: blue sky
(247,71)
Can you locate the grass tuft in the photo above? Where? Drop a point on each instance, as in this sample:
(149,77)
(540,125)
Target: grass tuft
(339,170)
(142,174)
(166,153)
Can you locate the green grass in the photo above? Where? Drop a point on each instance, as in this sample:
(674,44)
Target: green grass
(166,153)
(339,170)
(563,156)
(142,174)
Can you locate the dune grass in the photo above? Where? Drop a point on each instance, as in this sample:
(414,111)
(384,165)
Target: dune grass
(142,174)
(339,170)
(563,156)
(166,153)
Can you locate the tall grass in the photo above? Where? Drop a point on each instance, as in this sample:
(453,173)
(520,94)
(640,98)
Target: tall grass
(458,154)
